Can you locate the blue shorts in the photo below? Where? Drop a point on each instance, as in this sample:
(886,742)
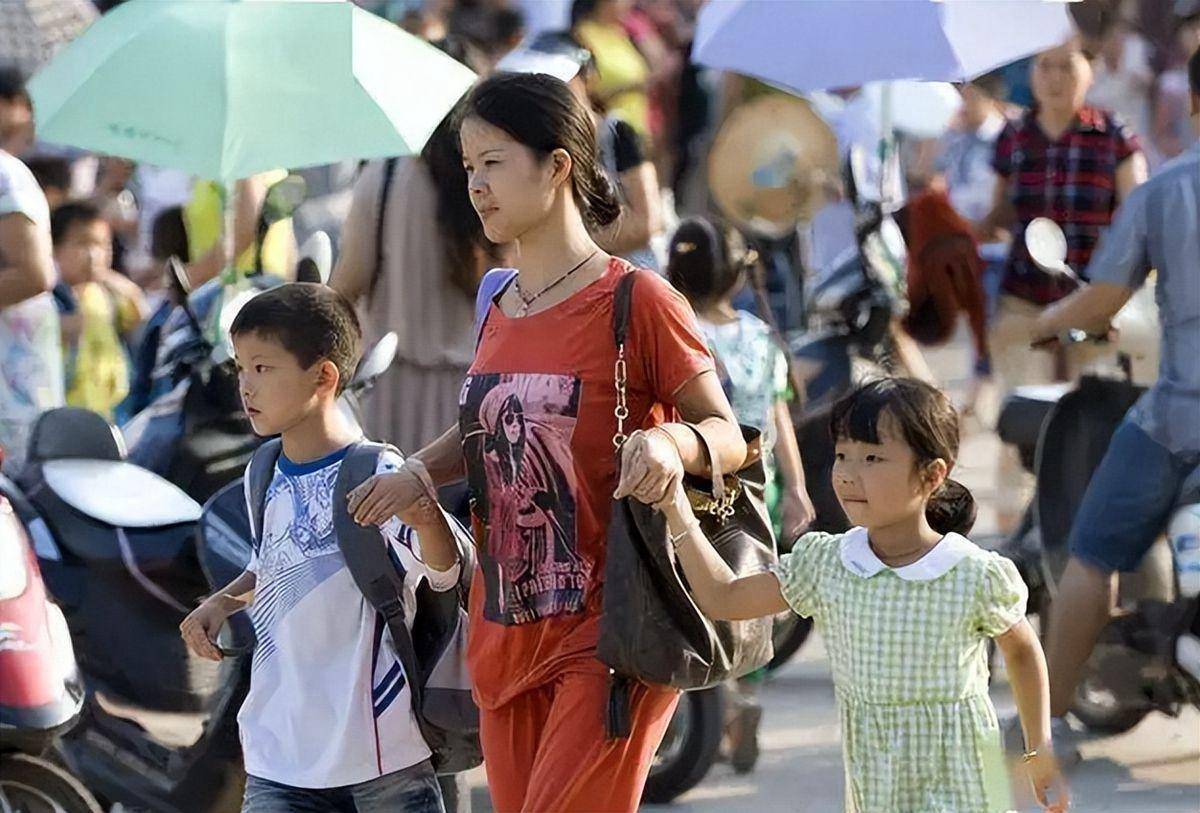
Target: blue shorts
(412,790)
(1128,500)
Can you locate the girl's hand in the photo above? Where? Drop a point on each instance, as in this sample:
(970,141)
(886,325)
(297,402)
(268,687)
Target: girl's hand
(1049,785)
(798,512)
(650,467)
(384,496)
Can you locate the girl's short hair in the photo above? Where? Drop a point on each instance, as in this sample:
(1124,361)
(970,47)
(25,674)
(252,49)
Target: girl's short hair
(705,259)
(542,113)
(929,425)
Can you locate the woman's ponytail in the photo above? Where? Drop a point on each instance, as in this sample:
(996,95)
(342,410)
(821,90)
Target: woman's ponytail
(596,196)
(951,509)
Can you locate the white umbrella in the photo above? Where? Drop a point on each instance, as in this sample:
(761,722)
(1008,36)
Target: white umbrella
(820,44)
(920,109)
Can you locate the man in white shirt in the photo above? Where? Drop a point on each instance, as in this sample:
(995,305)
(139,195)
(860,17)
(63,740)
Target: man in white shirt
(31,370)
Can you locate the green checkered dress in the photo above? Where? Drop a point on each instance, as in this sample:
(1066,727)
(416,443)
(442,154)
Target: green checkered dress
(908,648)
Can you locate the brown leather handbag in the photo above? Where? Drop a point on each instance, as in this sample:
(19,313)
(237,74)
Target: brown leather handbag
(651,629)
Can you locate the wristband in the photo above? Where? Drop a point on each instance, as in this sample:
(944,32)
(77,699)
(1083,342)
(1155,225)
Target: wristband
(694,525)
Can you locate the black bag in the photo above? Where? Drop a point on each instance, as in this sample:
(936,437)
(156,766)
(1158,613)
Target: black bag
(433,653)
(651,629)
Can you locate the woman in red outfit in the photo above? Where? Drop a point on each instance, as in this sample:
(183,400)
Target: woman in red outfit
(535,441)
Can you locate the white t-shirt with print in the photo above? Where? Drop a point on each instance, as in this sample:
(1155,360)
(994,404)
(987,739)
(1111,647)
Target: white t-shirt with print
(329,704)
(31,367)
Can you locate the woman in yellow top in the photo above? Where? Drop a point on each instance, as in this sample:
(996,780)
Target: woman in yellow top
(622,72)
(204,216)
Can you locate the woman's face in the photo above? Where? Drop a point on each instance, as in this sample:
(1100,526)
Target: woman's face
(1061,78)
(511,187)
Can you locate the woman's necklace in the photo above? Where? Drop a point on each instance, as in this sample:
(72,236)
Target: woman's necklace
(527,301)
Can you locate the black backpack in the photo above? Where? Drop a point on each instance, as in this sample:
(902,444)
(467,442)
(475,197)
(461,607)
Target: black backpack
(433,653)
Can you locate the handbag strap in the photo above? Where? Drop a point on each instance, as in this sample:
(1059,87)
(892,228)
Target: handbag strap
(622,309)
(622,316)
(385,191)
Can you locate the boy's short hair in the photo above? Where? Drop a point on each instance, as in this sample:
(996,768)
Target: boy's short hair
(79,212)
(12,86)
(311,321)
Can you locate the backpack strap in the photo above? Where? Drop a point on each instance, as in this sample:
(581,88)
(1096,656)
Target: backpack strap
(259,474)
(385,190)
(493,284)
(378,575)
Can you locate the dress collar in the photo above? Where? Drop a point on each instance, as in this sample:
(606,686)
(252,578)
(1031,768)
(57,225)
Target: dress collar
(858,558)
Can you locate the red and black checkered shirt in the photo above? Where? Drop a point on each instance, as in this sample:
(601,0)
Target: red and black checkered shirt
(1072,180)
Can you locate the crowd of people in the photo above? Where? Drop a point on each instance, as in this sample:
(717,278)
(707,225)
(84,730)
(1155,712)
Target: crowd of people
(574,160)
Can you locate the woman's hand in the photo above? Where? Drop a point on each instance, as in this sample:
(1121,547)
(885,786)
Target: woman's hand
(384,496)
(1049,785)
(650,467)
(797,510)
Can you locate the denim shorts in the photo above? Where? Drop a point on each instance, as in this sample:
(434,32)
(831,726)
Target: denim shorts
(412,790)
(1128,501)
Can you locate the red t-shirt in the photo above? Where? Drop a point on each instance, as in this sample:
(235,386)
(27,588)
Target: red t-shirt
(536,417)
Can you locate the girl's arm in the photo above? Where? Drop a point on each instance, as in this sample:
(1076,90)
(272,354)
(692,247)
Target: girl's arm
(719,593)
(798,508)
(1026,666)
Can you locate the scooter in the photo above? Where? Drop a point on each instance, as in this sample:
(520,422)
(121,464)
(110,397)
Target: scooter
(41,693)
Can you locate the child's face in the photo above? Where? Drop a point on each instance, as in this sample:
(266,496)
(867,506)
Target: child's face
(84,252)
(277,393)
(878,484)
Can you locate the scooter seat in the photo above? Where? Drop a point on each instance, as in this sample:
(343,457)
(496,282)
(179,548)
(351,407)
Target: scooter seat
(1024,412)
(119,493)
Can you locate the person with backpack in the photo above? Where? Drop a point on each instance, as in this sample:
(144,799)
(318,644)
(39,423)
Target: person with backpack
(538,414)
(333,719)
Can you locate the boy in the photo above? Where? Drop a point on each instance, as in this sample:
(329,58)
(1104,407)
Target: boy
(328,721)
(109,307)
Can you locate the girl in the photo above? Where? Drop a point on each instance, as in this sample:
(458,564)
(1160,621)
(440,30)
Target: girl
(906,606)
(707,264)
(546,354)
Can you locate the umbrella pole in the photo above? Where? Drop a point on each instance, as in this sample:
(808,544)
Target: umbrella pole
(887,141)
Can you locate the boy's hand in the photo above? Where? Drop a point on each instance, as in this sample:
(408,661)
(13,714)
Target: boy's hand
(201,626)
(1049,785)
(384,496)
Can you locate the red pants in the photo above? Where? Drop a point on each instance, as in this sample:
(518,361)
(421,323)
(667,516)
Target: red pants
(546,751)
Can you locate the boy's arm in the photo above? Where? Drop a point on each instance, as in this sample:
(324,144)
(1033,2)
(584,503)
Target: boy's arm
(717,590)
(237,595)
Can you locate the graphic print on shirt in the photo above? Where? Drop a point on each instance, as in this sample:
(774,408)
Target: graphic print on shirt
(298,552)
(516,430)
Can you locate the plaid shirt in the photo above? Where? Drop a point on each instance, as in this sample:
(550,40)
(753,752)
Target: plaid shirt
(1071,180)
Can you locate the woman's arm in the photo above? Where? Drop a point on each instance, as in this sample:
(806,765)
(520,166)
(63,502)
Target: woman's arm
(641,218)
(392,493)
(1001,216)
(1026,667)
(719,593)
(356,264)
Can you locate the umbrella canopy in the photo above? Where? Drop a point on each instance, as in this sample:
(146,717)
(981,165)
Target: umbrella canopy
(32,30)
(820,44)
(224,89)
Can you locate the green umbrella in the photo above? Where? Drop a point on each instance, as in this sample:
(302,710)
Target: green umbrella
(228,88)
